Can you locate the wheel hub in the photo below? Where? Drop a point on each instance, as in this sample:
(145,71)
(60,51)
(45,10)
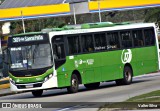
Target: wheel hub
(128,76)
(74,83)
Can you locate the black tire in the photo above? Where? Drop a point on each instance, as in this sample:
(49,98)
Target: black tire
(119,82)
(74,84)
(92,85)
(127,77)
(37,93)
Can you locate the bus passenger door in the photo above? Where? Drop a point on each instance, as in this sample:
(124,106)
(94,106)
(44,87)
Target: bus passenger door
(59,58)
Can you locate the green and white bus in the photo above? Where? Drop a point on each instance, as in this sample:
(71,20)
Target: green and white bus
(65,58)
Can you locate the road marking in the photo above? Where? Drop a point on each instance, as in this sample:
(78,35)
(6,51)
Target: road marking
(63,109)
(74,107)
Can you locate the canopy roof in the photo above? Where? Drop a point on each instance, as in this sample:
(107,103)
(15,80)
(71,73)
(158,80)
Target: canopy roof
(27,3)
(31,9)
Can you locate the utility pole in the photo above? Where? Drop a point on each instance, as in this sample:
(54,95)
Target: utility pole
(74,13)
(99,11)
(23,22)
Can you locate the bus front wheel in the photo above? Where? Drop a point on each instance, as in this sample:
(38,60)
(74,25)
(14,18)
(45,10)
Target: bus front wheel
(127,77)
(73,88)
(37,93)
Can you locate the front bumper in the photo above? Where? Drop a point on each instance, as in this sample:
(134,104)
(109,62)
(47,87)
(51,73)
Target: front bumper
(50,83)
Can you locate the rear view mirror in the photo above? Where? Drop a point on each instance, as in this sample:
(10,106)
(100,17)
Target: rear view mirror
(1,61)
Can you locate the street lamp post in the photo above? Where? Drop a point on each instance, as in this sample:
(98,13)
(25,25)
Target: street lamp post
(99,11)
(23,23)
(74,13)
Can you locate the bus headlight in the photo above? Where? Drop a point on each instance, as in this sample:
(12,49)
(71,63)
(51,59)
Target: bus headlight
(48,77)
(45,79)
(12,81)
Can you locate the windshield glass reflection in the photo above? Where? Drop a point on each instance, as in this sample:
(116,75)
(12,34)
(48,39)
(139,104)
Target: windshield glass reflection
(30,57)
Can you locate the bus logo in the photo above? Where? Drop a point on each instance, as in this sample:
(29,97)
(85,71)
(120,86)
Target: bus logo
(126,56)
(79,62)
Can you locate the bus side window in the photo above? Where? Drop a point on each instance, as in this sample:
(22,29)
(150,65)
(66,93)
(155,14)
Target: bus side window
(126,39)
(138,38)
(100,41)
(73,44)
(58,47)
(113,40)
(149,37)
(58,50)
(87,43)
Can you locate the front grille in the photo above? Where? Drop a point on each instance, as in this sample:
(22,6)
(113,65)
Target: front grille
(29,72)
(25,86)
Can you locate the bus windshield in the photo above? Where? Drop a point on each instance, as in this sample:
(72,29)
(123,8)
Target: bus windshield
(30,57)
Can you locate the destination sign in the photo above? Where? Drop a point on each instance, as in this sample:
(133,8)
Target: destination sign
(27,38)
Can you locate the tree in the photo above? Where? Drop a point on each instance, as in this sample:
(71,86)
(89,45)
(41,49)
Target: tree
(152,15)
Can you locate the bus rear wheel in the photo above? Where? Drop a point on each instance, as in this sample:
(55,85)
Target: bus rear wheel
(127,77)
(92,85)
(74,84)
(37,93)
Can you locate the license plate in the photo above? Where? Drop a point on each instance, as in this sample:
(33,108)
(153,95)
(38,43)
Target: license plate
(29,86)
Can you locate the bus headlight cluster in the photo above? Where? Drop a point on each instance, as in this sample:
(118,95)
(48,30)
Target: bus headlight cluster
(12,81)
(48,77)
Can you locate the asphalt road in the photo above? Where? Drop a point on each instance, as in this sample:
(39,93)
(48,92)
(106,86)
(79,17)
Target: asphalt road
(108,92)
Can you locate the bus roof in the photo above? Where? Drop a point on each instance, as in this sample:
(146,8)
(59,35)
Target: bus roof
(82,28)
(28,33)
(85,26)
(99,27)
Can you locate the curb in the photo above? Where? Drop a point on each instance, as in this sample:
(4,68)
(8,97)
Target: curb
(10,93)
(3,79)
(4,86)
(6,94)
(4,83)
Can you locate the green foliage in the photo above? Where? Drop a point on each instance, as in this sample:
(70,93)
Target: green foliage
(36,25)
(148,97)
(1,1)
(153,15)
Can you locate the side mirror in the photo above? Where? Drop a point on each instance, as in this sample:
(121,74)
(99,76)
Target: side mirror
(5,57)
(1,61)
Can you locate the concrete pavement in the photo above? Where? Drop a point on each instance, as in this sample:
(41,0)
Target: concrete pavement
(108,92)
(5,92)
